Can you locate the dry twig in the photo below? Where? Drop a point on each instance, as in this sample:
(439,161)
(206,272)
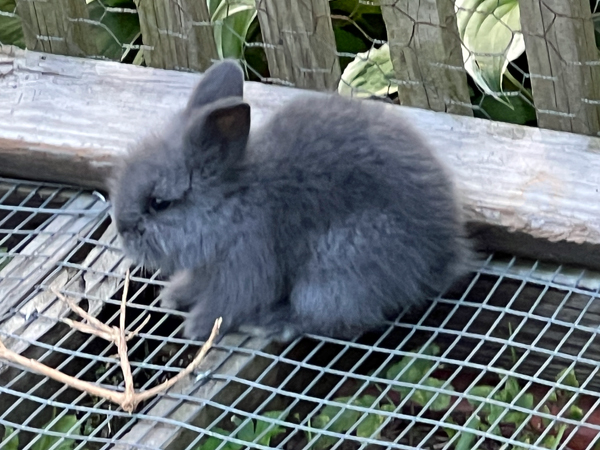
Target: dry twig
(128,399)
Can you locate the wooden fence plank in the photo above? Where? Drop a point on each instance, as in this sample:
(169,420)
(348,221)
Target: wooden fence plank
(563,62)
(300,44)
(56,26)
(177,34)
(426,54)
(540,182)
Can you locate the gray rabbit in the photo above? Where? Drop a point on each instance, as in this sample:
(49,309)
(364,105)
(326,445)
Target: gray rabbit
(329,219)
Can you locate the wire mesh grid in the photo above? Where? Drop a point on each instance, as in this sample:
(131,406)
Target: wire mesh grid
(472,54)
(506,359)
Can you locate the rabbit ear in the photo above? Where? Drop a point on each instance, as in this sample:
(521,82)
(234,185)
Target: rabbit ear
(222,131)
(224,79)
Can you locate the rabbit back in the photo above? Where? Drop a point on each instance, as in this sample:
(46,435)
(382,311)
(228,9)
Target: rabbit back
(366,220)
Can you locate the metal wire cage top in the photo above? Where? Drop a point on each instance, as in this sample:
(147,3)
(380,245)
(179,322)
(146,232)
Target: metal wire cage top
(506,359)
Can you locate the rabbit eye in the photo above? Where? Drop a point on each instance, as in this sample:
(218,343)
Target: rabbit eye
(157,205)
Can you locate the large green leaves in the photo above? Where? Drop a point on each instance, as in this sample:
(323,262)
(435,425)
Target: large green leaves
(113,29)
(10,442)
(339,419)
(11,32)
(232,19)
(490,31)
(65,425)
(249,432)
(369,74)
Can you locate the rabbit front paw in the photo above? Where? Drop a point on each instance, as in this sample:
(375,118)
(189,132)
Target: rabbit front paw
(182,292)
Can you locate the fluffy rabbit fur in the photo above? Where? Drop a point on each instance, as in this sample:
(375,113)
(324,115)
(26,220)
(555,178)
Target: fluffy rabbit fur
(329,219)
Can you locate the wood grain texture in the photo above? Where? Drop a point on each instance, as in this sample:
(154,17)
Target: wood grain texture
(177,34)
(426,54)
(78,116)
(56,26)
(300,45)
(563,62)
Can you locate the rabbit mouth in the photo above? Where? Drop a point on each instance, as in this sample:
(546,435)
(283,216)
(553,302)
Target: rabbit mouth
(141,250)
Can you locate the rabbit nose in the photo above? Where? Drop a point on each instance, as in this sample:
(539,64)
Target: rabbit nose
(130,225)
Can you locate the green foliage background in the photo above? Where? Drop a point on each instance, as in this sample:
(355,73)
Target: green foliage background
(499,84)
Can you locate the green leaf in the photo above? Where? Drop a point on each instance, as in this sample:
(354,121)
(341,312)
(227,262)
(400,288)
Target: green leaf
(354,9)
(117,3)
(525,401)
(115,29)
(63,426)
(596,21)
(515,417)
(369,425)
(246,433)
(512,389)
(552,442)
(273,432)
(10,443)
(416,367)
(575,413)
(370,73)
(484,392)
(232,19)
(213,442)
(495,412)
(511,109)
(513,352)
(11,32)
(549,442)
(347,419)
(545,421)
(450,431)
(466,439)
(346,42)
(412,369)
(526,439)
(212,6)
(364,17)
(422,397)
(570,379)
(490,31)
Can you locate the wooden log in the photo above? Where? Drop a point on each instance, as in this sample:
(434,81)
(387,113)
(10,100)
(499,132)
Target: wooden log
(563,62)
(66,119)
(177,34)
(57,26)
(426,54)
(300,45)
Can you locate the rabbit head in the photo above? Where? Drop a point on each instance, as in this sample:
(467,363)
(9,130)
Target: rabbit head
(165,188)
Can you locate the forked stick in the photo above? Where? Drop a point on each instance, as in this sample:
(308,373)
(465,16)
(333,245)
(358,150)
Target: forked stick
(128,399)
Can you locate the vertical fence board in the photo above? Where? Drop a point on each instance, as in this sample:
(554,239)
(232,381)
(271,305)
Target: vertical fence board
(56,26)
(563,62)
(177,34)
(300,44)
(426,54)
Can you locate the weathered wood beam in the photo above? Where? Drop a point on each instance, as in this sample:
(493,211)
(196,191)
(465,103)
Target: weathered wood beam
(65,119)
